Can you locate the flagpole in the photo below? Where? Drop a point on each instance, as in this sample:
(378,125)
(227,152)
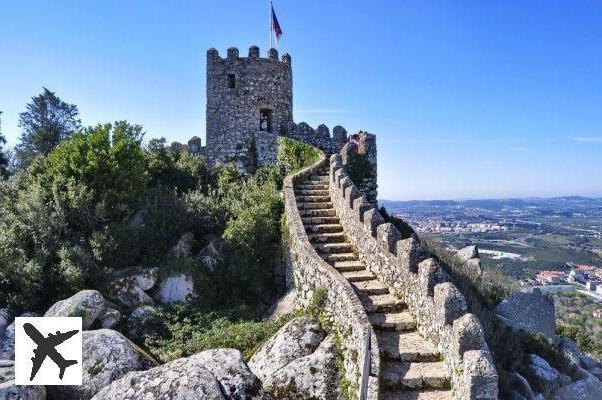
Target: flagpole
(271,22)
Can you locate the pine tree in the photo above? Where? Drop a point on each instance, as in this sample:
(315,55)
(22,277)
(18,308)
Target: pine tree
(3,155)
(47,121)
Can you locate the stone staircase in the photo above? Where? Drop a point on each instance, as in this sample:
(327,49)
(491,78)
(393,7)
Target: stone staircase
(411,366)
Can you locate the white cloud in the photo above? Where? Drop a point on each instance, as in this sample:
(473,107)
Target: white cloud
(587,139)
(520,149)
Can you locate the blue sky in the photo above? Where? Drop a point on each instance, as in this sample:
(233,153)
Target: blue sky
(469,99)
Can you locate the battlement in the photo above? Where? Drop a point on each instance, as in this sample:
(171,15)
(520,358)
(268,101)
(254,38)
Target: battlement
(233,54)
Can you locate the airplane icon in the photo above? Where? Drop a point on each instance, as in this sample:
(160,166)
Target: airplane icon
(46,348)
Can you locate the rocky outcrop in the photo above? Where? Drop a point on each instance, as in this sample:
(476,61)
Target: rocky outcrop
(585,389)
(531,311)
(298,338)
(175,288)
(230,369)
(284,305)
(8,389)
(311,377)
(109,318)
(7,344)
(514,386)
(184,246)
(546,378)
(87,304)
(107,356)
(185,378)
(3,322)
(130,287)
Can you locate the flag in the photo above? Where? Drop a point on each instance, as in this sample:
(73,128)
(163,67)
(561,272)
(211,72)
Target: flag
(276,26)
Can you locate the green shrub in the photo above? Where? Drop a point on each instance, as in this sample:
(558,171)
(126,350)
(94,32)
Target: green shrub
(294,155)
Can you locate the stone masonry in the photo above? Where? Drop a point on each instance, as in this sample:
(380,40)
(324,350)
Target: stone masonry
(249,105)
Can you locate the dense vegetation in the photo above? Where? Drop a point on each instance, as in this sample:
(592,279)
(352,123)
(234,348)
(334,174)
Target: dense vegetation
(575,320)
(89,202)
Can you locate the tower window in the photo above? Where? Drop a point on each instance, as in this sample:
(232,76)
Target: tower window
(231,81)
(265,120)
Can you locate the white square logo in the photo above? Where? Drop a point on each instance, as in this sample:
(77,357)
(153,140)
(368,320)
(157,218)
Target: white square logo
(48,351)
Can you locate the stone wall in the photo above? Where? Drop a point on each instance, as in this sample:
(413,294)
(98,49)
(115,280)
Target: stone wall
(320,137)
(439,307)
(360,161)
(342,306)
(238,88)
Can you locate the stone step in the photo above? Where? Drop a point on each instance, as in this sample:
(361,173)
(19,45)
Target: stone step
(361,275)
(336,237)
(381,303)
(406,346)
(317,179)
(332,248)
(324,228)
(313,205)
(417,395)
(402,321)
(348,265)
(414,375)
(312,192)
(370,287)
(337,257)
(313,199)
(327,212)
(320,220)
(312,186)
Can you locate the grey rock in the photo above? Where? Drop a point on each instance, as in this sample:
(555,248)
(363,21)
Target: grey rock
(597,372)
(589,362)
(109,318)
(531,311)
(9,391)
(182,379)
(467,253)
(284,305)
(107,356)
(138,321)
(7,370)
(184,245)
(3,322)
(545,377)
(311,377)
(7,344)
(230,369)
(87,304)
(175,288)
(211,254)
(514,382)
(128,294)
(585,389)
(297,338)
(572,357)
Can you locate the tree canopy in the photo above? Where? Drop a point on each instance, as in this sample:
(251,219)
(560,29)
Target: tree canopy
(47,121)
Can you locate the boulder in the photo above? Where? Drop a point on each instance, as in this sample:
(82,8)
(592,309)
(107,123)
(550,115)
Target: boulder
(589,362)
(109,318)
(298,338)
(230,369)
(531,311)
(7,343)
(545,377)
(107,356)
(467,253)
(7,370)
(126,292)
(211,254)
(585,389)
(597,372)
(139,321)
(185,378)
(175,288)
(515,386)
(284,305)
(87,304)
(9,391)
(184,246)
(311,377)
(3,322)
(572,357)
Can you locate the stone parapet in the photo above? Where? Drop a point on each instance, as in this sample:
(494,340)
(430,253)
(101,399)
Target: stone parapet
(439,307)
(342,306)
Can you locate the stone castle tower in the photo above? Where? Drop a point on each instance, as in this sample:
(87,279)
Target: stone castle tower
(249,101)
(250,105)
